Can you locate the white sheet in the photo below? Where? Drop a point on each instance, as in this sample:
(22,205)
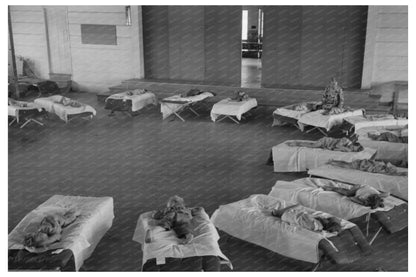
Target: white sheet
(327,122)
(293,159)
(13,110)
(387,151)
(363,122)
(82,236)
(138,102)
(233,108)
(290,111)
(50,105)
(251,220)
(167,109)
(396,185)
(309,193)
(165,244)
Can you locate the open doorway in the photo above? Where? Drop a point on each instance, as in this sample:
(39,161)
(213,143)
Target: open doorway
(251,46)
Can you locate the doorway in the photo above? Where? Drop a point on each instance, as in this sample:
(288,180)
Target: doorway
(251,46)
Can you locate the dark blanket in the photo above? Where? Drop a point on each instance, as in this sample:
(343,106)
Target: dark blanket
(201,263)
(24,260)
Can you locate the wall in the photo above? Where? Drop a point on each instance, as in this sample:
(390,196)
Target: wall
(386,53)
(93,67)
(193,43)
(29,35)
(304,46)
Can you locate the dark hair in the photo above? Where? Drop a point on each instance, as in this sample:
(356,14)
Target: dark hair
(374,201)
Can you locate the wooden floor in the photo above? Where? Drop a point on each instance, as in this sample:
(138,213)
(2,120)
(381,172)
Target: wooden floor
(141,161)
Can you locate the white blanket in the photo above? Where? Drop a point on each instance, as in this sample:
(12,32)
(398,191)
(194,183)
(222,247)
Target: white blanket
(138,101)
(50,105)
(363,122)
(309,193)
(396,185)
(167,108)
(231,107)
(82,236)
(165,244)
(291,111)
(13,109)
(294,158)
(251,220)
(387,151)
(327,122)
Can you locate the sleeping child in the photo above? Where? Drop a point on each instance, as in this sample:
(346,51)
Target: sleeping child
(370,166)
(333,144)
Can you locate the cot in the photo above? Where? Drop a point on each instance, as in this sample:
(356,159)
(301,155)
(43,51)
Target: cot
(65,108)
(251,220)
(324,123)
(130,101)
(289,115)
(228,108)
(22,110)
(176,104)
(309,193)
(296,158)
(165,252)
(79,239)
(396,185)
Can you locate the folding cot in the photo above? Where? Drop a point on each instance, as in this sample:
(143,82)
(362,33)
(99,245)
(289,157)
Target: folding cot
(177,104)
(322,122)
(165,252)
(21,110)
(309,192)
(290,114)
(78,241)
(251,220)
(297,158)
(396,185)
(228,108)
(65,108)
(130,101)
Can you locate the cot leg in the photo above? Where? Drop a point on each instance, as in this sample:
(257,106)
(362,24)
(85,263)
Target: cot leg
(310,130)
(233,119)
(13,121)
(375,236)
(192,110)
(316,267)
(323,132)
(175,113)
(223,117)
(368,225)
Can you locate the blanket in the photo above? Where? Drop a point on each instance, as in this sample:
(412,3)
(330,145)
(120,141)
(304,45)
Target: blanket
(138,100)
(233,108)
(294,111)
(82,236)
(327,122)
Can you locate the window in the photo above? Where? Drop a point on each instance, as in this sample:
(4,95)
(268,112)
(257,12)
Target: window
(245,25)
(98,34)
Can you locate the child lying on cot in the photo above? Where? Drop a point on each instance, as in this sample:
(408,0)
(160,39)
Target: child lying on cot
(361,194)
(177,217)
(333,144)
(307,220)
(50,229)
(370,166)
(388,136)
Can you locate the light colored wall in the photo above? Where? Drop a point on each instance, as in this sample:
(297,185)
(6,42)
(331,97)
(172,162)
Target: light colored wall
(94,68)
(386,51)
(28,23)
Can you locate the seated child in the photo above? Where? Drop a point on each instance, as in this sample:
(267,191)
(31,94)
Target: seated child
(240,96)
(333,98)
(370,166)
(307,220)
(333,144)
(361,194)
(177,217)
(50,229)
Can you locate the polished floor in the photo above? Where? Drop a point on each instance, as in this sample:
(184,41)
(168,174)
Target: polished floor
(140,161)
(250,73)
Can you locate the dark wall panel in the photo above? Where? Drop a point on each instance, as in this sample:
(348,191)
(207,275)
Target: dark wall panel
(305,46)
(193,43)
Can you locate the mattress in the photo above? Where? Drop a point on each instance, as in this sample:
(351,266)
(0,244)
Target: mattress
(386,151)
(396,185)
(359,121)
(82,236)
(62,111)
(251,220)
(326,122)
(294,159)
(291,113)
(309,193)
(165,244)
(178,102)
(232,108)
(22,109)
(132,103)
